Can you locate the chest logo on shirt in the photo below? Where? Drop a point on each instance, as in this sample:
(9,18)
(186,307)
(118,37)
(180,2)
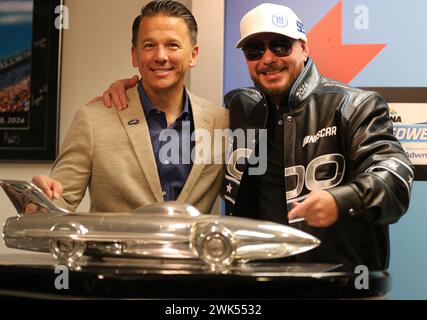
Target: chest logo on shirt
(322,133)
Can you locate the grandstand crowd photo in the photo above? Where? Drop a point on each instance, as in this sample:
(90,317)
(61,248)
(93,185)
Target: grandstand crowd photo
(15,83)
(15,63)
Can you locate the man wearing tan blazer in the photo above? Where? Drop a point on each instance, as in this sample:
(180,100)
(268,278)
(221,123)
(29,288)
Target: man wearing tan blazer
(111,152)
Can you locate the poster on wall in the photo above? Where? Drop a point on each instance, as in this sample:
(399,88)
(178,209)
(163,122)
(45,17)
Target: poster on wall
(410,127)
(365,44)
(29,64)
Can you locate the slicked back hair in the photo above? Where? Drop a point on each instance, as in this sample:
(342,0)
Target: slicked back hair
(167,8)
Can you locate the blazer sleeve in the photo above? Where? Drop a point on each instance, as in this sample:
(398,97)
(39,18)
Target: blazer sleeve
(73,167)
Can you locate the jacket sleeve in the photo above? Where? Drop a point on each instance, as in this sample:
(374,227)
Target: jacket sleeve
(73,166)
(379,175)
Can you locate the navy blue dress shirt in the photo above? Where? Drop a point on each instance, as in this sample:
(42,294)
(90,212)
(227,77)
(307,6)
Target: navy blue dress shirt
(171,145)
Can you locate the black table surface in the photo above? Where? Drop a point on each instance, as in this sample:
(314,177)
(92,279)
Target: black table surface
(35,275)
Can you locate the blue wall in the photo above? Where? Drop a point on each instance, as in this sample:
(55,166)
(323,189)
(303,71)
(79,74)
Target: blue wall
(408,262)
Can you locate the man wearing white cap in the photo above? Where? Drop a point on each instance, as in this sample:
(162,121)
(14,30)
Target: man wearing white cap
(334,168)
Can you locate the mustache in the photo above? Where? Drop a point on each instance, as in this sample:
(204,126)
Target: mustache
(276,69)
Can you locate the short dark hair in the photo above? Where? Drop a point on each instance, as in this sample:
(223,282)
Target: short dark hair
(168,8)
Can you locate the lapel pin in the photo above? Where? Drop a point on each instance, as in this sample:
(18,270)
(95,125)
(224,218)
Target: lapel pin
(133,122)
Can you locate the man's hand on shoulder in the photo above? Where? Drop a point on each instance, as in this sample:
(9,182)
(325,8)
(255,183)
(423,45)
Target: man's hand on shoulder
(50,187)
(115,95)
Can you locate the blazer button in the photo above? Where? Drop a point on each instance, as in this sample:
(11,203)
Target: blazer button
(289,118)
(352,212)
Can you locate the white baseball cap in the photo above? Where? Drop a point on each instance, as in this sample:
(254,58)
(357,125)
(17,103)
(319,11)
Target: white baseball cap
(273,18)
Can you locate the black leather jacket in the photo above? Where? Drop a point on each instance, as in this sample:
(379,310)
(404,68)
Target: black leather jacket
(340,139)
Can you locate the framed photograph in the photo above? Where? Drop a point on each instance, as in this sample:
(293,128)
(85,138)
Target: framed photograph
(29,79)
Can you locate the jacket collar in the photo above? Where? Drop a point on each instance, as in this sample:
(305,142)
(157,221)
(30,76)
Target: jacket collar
(304,85)
(135,124)
(203,118)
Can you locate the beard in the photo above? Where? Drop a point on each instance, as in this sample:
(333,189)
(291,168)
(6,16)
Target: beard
(275,93)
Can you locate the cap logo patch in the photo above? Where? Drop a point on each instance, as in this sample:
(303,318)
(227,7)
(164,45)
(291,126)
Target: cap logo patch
(279,20)
(300,27)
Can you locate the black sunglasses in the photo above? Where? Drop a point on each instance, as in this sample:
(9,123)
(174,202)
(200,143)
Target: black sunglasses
(254,50)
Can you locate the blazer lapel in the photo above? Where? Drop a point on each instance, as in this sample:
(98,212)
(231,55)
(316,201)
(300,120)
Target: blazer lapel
(201,121)
(135,124)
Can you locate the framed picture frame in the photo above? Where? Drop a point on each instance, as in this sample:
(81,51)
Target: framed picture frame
(29,79)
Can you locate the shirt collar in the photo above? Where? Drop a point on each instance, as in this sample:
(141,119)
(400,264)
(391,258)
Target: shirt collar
(148,106)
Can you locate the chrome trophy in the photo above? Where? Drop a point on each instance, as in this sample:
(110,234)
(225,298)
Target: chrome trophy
(166,231)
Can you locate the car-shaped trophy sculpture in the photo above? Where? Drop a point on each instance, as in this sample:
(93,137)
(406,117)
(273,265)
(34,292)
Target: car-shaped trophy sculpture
(165,231)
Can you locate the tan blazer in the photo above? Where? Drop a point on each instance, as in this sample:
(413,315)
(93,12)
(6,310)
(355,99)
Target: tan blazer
(111,152)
